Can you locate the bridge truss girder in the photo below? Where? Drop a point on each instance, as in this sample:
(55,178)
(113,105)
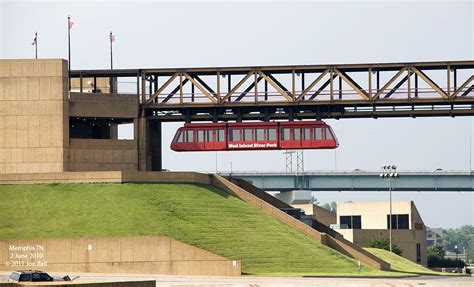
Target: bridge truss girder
(303,92)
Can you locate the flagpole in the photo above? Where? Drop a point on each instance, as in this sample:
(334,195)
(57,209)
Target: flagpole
(69,47)
(36,45)
(111,52)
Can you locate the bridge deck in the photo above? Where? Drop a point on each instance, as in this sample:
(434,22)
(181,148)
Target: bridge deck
(437,181)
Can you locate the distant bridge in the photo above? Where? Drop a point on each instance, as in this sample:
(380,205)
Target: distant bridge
(435,181)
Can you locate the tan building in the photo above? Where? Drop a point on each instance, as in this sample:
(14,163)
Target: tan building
(46,128)
(360,222)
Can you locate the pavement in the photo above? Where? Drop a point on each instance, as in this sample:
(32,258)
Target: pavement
(259,281)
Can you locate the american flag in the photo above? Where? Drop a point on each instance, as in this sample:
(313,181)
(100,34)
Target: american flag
(112,37)
(69,23)
(34,40)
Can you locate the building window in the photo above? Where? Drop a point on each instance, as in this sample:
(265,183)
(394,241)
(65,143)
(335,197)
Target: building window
(418,253)
(352,221)
(399,221)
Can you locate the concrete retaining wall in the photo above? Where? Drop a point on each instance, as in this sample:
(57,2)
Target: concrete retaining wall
(77,284)
(141,255)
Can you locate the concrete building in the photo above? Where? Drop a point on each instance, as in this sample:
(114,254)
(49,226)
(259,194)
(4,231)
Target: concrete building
(46,128)
(360,222)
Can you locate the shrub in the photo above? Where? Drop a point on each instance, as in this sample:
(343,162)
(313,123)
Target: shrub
(383,243)
(438,261)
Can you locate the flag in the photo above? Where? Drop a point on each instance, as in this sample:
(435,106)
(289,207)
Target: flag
(34,40)
(70,23)
(112,37)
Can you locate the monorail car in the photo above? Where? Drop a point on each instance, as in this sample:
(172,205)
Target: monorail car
(254,136)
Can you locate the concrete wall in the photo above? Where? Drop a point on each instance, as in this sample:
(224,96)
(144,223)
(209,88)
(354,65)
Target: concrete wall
(141,255)
(324,216)
(150,283)
(106,106)
(33,116)
(103,155)
(106,177)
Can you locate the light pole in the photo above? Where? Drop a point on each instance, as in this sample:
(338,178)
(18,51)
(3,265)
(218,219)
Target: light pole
(389,172)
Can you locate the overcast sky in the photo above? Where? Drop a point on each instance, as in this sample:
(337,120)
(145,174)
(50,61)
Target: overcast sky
(189,34)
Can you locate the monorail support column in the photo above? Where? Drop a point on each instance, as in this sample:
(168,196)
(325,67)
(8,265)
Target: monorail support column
(141,135)
(149,144)
(155,145)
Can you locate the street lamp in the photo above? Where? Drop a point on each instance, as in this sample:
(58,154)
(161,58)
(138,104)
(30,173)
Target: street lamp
(389,172)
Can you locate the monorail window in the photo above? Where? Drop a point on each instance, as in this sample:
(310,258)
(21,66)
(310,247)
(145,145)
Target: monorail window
(296,134)
(328,134)
(209,136)
(285,134)
(271,134)
(248,135)
(306,134)
(189,136)
(179,137)
(235,135)
(220,135)
(259,134)
(200,136)
(318,135)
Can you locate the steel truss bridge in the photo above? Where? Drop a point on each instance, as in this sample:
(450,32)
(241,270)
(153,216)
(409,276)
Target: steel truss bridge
(437,181)
(297,92)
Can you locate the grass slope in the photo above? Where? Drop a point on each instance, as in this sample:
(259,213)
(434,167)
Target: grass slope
(401,264)
(198,215)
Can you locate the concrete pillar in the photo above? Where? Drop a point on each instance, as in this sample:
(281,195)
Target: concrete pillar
(140,125)
(148,133)
(155,145)
(113,131)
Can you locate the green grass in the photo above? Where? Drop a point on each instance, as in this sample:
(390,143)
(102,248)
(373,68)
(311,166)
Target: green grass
(401,264)
(202,216)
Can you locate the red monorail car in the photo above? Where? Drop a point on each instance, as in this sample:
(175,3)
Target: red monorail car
(254,136)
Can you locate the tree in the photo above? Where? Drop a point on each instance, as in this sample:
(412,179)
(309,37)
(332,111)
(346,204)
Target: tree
(383,243)
(462,237)
(330,206)
(436,250)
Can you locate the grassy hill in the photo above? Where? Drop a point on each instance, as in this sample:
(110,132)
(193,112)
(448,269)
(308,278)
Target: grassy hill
(401,264)
(198,215)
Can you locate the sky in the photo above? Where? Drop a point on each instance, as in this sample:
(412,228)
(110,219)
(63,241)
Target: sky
(195,34)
